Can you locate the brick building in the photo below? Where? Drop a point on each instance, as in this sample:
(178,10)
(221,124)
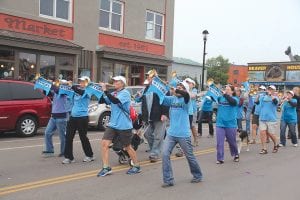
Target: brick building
(237,74)
(98,38)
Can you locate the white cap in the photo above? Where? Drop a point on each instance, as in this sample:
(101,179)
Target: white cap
(208,97)
(262,87)
(190,80)
(63,81)
(84,78)
(272,87)
(146,82)
(291,92)
(120,78)
(185,85)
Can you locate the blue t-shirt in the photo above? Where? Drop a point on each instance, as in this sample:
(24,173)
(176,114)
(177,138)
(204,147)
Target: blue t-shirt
(119,119)
(207,104)
(179,116)
(289,113)
(267,109)
(258,106)
(227,114)
(80,105)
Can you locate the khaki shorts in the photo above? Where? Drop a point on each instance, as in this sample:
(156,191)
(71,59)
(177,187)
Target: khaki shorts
(268,126)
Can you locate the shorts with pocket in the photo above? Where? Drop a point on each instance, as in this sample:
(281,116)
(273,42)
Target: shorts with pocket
(268,126)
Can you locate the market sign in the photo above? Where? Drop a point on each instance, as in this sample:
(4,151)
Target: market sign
(23,25)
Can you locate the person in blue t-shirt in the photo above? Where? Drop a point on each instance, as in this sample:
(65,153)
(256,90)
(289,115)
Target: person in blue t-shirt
(179,132)
(256,111)
(79,122)
(206,113)
(193,108)
(120,125)
(288,118)
(268,118)
(226,124)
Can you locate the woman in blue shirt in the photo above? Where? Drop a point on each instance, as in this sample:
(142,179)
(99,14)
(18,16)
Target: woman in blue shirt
(288,118)
(227,124)
(79,122)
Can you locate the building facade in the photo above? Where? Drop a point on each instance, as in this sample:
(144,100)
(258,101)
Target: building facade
(97,38)
(237,74)
(284,75)
(186,68)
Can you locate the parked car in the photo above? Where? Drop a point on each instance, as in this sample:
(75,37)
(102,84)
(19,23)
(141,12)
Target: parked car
(99,114)
(22,109)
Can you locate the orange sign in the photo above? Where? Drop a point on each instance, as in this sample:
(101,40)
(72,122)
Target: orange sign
(132,45)
(29,26)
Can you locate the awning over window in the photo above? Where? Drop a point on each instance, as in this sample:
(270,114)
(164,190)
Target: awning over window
(131,56)
(22,40)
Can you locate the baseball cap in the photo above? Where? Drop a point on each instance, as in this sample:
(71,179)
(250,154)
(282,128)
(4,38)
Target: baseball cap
(291,92)
(146,82)
(120,78)
(63,81)
(262,87)
(190,80)
(84,78)
(185,85)
(272,87)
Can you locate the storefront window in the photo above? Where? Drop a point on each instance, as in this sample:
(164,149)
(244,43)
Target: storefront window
(47,64)
(121,70)
(6,70)
(161,71)
(7,54)
(27,66)
(66,74)
(65,60)
(107,72)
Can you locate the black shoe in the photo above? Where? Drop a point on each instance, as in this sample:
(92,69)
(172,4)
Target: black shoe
(166,185)
(236,158)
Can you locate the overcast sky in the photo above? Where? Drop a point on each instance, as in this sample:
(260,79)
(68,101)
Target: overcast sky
(241,30)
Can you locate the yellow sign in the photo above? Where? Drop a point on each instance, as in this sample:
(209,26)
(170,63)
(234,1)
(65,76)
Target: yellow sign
(293,67)
(257,68)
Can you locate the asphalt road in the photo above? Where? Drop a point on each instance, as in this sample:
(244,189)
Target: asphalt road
(25,174)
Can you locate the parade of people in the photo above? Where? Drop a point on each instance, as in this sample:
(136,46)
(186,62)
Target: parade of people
(143,100)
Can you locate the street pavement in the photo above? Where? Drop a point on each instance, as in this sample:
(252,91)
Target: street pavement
(25,174)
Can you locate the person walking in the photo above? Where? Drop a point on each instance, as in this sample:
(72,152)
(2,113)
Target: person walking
(227,124)
(120,125)
(255,116)
(58,121)
(297,97)
(206,113)
(156,116)
(179,133)
(79,122)
(193,108)
(288,118)
(268,118)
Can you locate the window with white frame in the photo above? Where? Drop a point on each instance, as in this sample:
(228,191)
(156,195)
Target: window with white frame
(111,15)
(56,9)
(154,26)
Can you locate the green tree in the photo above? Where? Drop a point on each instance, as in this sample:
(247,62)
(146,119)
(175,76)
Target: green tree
(217,69)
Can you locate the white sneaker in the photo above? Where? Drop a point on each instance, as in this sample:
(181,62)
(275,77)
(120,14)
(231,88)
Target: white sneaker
(280,145)
(88,159)
(68,161)
(295,145)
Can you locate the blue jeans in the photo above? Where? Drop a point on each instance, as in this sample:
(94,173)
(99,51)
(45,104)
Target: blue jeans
(292,131)
(186,146)
(59,124)
(155,136)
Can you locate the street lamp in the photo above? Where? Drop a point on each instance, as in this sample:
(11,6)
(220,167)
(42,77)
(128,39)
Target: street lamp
(204,33)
